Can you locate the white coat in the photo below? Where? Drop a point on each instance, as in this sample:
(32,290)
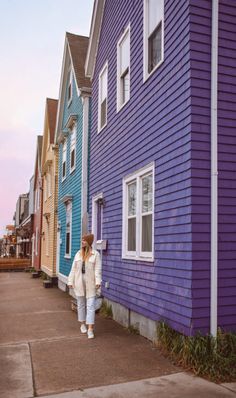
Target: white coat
(92,274)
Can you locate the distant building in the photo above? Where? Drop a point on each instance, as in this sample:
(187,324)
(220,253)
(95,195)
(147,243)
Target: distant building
(37,222)
(24,222)
(49,164)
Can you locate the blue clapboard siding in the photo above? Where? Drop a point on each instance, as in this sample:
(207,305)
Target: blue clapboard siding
(154,126)
(72,184)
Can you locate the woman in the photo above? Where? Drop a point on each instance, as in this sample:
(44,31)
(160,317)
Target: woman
(85,278)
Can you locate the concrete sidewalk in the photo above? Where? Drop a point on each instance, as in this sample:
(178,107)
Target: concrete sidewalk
(42,352)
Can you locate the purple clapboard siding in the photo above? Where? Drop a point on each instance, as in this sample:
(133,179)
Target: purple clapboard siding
(154,126)
(167,121)
(227,165)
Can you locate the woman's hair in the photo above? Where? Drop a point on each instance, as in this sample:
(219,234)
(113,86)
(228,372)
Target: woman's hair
(86,252)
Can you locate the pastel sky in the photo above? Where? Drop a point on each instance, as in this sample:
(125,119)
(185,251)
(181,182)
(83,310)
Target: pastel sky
(32,36)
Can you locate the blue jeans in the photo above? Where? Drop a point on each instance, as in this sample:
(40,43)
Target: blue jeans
(86,309)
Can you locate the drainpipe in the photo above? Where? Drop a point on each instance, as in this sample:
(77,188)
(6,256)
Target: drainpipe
(214,169)
(84,193)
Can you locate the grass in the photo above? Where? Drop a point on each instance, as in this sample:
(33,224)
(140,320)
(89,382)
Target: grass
(106,310)
(133,329)
(206,356)
(43,276)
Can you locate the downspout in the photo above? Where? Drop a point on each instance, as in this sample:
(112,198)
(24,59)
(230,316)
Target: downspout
(214,168)
(84,191)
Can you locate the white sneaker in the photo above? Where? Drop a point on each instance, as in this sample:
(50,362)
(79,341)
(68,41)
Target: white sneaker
(90,334)
(83,328)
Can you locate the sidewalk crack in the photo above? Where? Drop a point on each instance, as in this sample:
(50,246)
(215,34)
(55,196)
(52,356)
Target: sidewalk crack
(32,371)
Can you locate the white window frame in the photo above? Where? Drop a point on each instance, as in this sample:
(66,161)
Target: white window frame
(138,254)
(73,146)
(45,188)
(105,67)
(146,74)
(64,151)
(49,182)
(67,204)
(36,200)
(95,200)
(36,241)
(70,84)
(47,238)
(120,105)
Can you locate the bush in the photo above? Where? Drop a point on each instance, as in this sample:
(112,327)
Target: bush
(213,358)
(106,310)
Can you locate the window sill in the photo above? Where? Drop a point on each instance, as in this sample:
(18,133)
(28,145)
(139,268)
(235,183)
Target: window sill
(118,109)
(69,103)
(71,171)
(147,75)
(138,258)
(99,131)
(63,179)
(67,256)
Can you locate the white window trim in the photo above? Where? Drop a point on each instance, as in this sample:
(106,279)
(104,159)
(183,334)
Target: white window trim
(68,255)
(45,188)
(64,145)
(94,215)
(47,239)
(118,85)
(146,75)
(73,168)
(138,254)
(99,94)
(49,182)
(70,83)
(36,241)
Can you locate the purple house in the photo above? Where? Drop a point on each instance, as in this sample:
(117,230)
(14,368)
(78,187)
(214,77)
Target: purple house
(163,161)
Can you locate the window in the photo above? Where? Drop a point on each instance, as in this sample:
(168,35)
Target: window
(47,238)
(36,200)
(72,147)
(69,94)
(64,160)
(36,241)
(138,235)
(153,35)
(49,182)
(68,228)
(123,69)
(102,98)
(45,188)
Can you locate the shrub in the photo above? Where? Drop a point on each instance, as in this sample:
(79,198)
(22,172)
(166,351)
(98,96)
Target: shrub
(213,358)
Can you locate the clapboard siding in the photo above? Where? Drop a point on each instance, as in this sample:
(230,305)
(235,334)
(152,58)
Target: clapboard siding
(72,184)
(154,126)
(200,33)
(227,165)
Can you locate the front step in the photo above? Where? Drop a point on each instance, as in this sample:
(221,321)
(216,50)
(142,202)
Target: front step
(36,274)
(47,284)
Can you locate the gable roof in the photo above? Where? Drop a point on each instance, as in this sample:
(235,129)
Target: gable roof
(51,109)
(78,46)
(95,28)
(37,165)
(75,50)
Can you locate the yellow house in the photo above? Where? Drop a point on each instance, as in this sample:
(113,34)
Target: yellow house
(50,191)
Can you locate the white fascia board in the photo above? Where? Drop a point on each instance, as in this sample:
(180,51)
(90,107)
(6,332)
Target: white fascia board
(94,37)
(61,94)
(62,90)
(73,73)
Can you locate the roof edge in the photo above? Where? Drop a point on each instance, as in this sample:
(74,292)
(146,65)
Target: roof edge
(94,34)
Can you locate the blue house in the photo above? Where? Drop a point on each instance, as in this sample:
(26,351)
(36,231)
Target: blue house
(71,135)
(162,184)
